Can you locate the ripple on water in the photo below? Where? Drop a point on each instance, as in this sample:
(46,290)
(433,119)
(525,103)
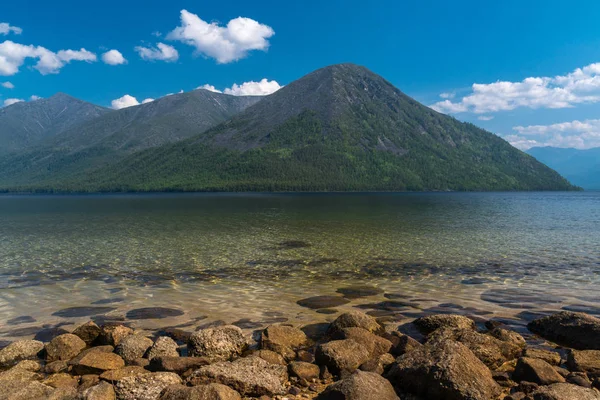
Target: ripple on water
(25,319)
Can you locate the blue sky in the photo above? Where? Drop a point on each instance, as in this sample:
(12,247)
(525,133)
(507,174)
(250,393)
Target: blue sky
(542,52)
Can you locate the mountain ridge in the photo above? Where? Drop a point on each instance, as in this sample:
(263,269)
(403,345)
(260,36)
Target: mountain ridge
(580,166)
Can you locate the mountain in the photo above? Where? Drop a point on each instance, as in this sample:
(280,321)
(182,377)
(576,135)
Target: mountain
(339,128)
(110,136)
(581,167)
(26,123)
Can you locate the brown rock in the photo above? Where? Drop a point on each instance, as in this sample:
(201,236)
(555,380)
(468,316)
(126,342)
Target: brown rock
(565,391)
(132,347)
(283,340)
(580,379)
(374,344)
(360,386)
(304,370)
(101,391)
(64,347)
(145,386)
(30,391)
(87,381)
(341,355)
(88,332)
(14,380)
(355,319)
(219,343)
(96,362)
(577,330)
(177,364)
(116,375)
(401,343)
(61,380)
(584,361)
(55,366)
(427,325)
(551,357)
(20,350)
(508,336)
(113,334)
(164,346)
(212,391)
(270,357)
(29,365)
(536,371)
(378,365)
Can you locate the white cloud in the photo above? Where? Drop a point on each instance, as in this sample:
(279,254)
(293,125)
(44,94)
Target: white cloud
(577,134)
(9,102)
(33,97)
(113,57)
(156,34)
(162,52)
(485,117)
(262,88)
(447,95)
(148,100)
(6,28)
(210,88)
(13,55)
(124,102)
(8,85)
(580,86)
(223,43)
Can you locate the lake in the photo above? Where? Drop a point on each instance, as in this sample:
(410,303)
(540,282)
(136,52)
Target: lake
(189,260)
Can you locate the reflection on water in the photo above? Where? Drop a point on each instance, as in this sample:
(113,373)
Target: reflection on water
(248,258)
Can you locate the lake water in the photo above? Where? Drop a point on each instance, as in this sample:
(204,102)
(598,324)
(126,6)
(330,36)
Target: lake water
(248,258)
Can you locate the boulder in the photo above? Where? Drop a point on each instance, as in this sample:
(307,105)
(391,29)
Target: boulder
(145,386)
(133,347)
(304,370)
(580,379)
(427,325)
(341,355)
(446,370)
(508,336)
(87,381)
(565,391)
(20,350)
(64,393)
(283,339)
(95,361)
(219,343)
(375,345)
(551,357)
(56,366)
(177,364)
(251,376)
(355,319)
(88,332)
(115,375)
(536,371)
(270,356)
(64,347)
(491,351)
(113,334)
(577,330)
(29,365)
(587,361)
(212,391)
(29,391)
(101,391)
(360,386)
(61,380)
(378,365)
(164,346)
(401,343)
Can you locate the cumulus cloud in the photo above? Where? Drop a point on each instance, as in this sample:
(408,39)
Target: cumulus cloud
(124,102)
(113,57)
(580,86)
(261,88)
(9,102)
(33,97)
(447,95)
(223,43)
(162,52)
(8,85)
(578,134)
(210,88)
(13,55)
(6,28)
(148,100)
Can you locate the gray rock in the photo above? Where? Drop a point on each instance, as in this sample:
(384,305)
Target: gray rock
(446,370)
(508,336)
(565,391)
(219,343)
(101,391)
(341,355)
(283,339)
(427,325)
(360,386)
(536,371)
(164,346)
(577,330)
(20,350)
(251,376)
(64,347)
(133,347)
(212,391)
(88,332)
(587,361)
(355,319)
(146,386)
(375,345)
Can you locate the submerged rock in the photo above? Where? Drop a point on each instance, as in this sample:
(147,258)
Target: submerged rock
(577,330)
(153,313)
(220,343)
(360,386)
(317,302)
(356,292)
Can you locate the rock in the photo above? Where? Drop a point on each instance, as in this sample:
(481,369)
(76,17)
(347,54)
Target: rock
(304,370)
(61,380)
(140,362)
(551,357)
(132,347)
(145,386)
(113,334)
(508,336)
(64,393)
(536,371)
(30,391)
(177,364)
(283,340)
(88,332)
(115,375)
(360,386)
(164,346)
(55,366)
(20,350)
(374,344)
(251,376)
(565,391)
(341,355)
(446,370)
(16,379)
(270,357)
(584,361)
(401,343)
(378,365)
(491,351)
(29,365)
(580,379)
(212,391)
(318,302)
(95,361)
(219,343)
(427,325)
(87,381)
(355,319)
(577,330)
(64,347)
(101,391)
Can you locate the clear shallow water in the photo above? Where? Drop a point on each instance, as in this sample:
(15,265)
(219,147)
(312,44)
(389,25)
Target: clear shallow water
(247,258)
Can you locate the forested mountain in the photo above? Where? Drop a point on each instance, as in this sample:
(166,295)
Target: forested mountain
(581,167)
(339,128)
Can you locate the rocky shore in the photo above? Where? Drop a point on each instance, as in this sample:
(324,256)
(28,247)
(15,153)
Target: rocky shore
(355,357)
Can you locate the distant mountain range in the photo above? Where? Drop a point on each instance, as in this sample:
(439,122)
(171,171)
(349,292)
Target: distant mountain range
(581,167)
(339,128)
